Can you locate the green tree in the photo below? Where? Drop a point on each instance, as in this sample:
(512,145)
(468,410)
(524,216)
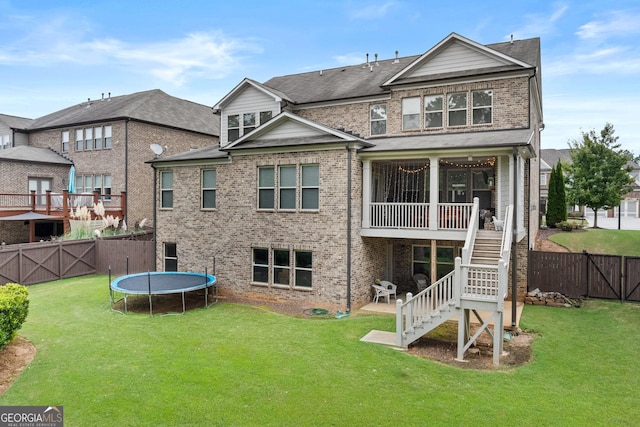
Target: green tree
(598,174)
(557,203)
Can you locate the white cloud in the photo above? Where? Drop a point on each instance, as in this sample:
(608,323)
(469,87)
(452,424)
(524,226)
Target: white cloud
(614,24)
(203,54)
(541,24)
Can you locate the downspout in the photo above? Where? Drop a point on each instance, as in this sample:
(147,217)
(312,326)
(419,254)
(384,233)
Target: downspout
(348,227)
(514,243)
(126,169)
(155,217)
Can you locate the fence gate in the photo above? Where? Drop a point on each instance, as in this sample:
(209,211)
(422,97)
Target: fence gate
(585,275)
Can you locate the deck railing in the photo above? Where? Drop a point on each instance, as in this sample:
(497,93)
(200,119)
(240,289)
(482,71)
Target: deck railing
(451,216)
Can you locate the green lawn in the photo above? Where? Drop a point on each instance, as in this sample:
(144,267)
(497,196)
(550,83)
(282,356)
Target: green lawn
(601,241)
(235,365)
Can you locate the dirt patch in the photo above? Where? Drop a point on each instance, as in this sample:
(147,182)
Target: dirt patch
(441,345)
(544,244)
(13,359)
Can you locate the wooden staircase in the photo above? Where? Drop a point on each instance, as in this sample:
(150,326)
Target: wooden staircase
(487,247)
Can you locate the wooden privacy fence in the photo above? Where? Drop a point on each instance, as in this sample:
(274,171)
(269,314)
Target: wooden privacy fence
(33,263)
(588,275)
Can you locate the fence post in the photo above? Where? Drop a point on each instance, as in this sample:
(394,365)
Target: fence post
(586,266)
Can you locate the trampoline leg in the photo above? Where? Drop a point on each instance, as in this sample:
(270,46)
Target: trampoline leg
(150,306)
(183,306)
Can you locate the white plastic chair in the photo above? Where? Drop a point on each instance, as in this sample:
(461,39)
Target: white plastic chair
(384,289)
(499,224)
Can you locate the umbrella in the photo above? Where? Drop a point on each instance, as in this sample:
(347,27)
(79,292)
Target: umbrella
(72,179)
(28,216)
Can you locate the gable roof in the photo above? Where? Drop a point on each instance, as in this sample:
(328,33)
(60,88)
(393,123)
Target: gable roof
(15,122)
(374,79)
(29,154)
(246,82)
(288,129)
(206,153)
(442,60)
(152,106)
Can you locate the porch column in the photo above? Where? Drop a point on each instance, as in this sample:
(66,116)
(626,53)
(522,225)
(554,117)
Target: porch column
(434,176)
(366,193)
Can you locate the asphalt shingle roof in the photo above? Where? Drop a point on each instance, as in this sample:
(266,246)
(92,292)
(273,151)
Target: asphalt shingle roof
(362,80)
(153,106)
(15,122)
(25,153)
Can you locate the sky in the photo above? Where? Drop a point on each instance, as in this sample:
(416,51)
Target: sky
(54,54)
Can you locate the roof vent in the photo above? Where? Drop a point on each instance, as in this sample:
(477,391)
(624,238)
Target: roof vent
(396,61)
(376,56)
(511,38)
(366,64)
(88,102)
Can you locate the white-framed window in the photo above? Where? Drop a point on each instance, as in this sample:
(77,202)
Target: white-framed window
(208,189)
(457,106)
(79,139)
(543,179)
(287,187)
(378,116)
(482,101)
(170,256)
(421,260)
(97,138)
(166,189)
(433,108)
(88,183)
(282,267)
(411,113)
(310,187)
(266,187)
(88,139)
(233,127)
(107,136)
(248,122)
(265,116)
(260,265)
(65,141)
(297,187)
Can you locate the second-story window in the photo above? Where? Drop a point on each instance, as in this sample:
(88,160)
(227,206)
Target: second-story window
(97,138)
(310,187)
(79,139)
(482,106)
(266,187)
(107,137)
(209,189)
(287,187)
(166,189)
(378,119)
(65,141)
(88,139)
(457,105)
(411,113)
(433,111)
(265,116)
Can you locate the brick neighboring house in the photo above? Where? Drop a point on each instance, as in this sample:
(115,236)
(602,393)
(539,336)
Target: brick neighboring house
(10,131)
(327,180)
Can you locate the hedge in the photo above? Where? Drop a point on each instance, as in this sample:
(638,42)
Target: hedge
(14,307)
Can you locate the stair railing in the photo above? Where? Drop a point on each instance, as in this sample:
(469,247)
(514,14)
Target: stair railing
(471,232)
(507,234)
(420,308)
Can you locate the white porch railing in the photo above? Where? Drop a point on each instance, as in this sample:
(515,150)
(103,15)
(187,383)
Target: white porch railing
(451,216)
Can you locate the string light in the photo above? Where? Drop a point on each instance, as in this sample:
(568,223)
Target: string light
(491,161)
(425,167)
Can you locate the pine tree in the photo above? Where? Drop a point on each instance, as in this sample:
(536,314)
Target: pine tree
(556,204)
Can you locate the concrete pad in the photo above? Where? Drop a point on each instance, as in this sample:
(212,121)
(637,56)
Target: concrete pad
(380,337)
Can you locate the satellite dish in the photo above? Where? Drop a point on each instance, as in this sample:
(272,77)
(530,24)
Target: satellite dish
(157,149)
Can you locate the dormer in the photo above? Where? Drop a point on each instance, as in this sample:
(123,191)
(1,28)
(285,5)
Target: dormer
(248,106)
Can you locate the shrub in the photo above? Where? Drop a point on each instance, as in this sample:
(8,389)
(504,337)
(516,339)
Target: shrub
(568,226)
(14,306)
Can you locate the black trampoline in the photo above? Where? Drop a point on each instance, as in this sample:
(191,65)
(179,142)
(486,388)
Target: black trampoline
(161,283)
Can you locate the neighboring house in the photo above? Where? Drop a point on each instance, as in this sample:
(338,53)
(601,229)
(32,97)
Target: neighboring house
(10,131)
(549,159)
(23,169)
(327,180)
(109,140)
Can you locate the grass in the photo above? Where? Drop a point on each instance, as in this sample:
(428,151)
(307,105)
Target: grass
(601,241)
(235,365)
